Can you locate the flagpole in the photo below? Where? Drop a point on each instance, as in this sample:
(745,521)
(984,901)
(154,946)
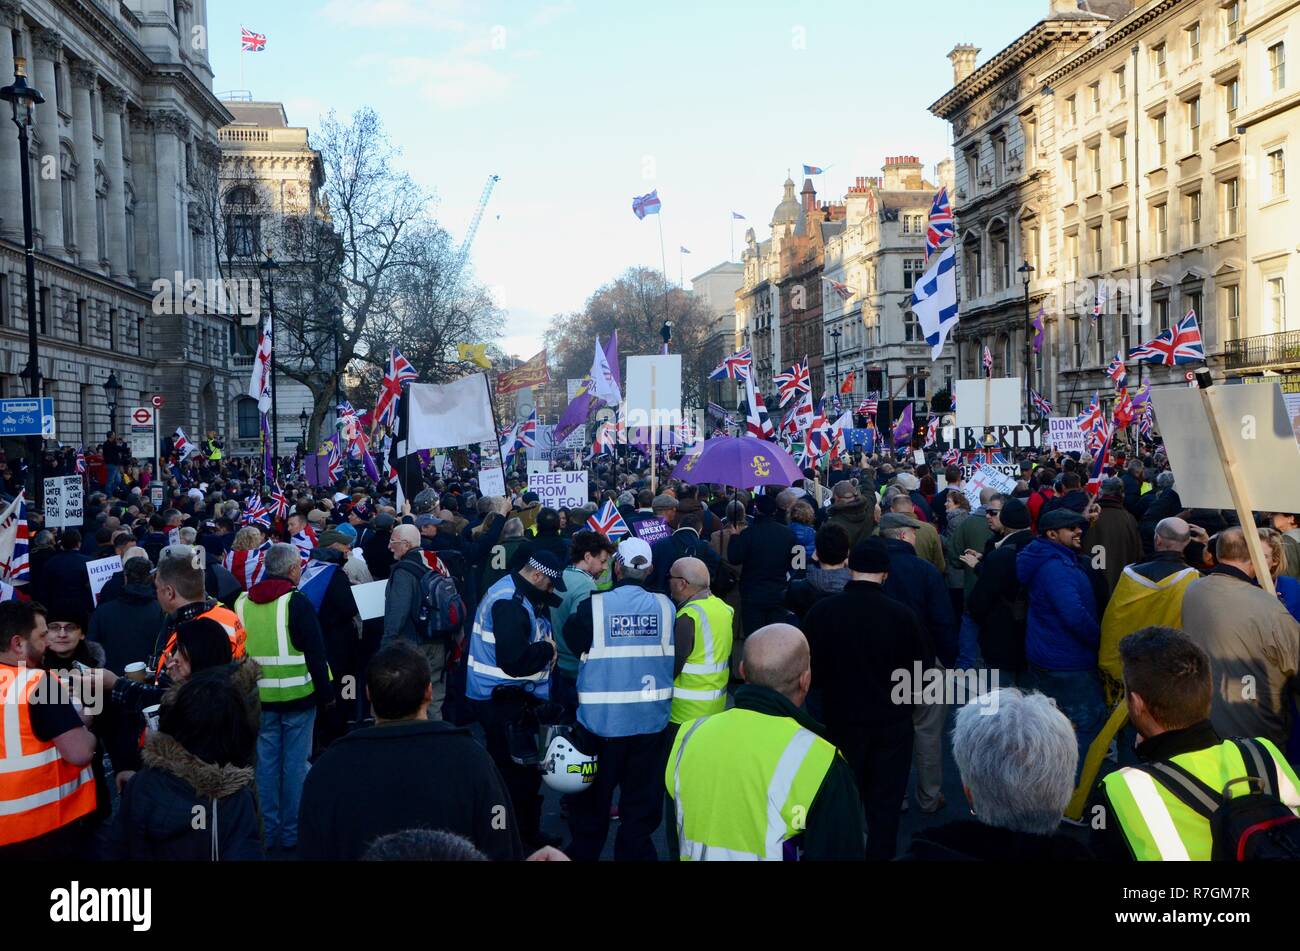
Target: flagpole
(732,218)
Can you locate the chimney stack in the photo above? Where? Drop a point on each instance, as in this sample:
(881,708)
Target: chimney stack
(963,57)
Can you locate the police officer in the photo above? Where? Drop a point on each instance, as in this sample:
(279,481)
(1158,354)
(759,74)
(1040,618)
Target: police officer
(511,654)
(624,640)
(1169,688)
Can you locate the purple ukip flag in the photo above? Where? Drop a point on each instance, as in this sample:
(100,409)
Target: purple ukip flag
(905,429)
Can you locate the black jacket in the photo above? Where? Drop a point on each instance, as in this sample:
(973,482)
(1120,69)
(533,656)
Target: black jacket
(683,543)
(64,581)
(858,638)
(156,818)
(1164,504)
(992,604)
(968,840)
(763,552)
(515,652)
(405,775)
(127,626)
(918,584)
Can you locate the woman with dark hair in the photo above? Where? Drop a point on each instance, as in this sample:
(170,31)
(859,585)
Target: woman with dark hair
(197,766)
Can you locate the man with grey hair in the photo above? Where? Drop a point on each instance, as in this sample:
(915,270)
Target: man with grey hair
(1113,535)
(284,638)
(1164,503)
(719,762)
(1016,754)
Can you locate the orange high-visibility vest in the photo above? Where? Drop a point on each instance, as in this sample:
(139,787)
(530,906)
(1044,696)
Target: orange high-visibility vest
(223,616)
(39,790)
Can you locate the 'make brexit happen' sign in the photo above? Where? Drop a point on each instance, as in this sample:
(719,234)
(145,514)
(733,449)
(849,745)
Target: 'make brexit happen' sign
(559,490)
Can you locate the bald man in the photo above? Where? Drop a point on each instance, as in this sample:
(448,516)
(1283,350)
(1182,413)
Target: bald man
(723,768)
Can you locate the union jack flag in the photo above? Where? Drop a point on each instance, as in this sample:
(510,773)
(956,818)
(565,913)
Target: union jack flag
(988,360)
(1146,420)
(1092,417)
(817,441)
(643,205)
(608,522)
(256,513)
(735,367)
(252,42)
(757,423)
(793,382)
(931,432)
(942,226)
(14,542)
(248,566)
(993,457)
(843,290)
(1175,346)
(279,503)
(1117,371)
(1099,462)
(80,463)
(526,436)
(399,371)
(304,541)
(1099,307)
(952,457)
(604,444)
(1040,403)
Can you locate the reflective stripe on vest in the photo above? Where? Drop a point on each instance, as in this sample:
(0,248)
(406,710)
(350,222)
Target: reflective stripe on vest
(701,688)
(484,675)
(284,674)
(39,790)
(230,623)
(741,750)
(1160,827)
(626,689)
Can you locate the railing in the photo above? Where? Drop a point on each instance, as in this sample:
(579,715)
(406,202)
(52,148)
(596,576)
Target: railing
(1263,351)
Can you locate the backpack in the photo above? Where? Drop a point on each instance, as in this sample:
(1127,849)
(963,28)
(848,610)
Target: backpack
(1248,822)
(439,612)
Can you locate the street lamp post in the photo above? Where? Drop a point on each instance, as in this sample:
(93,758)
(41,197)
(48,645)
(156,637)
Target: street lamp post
(111,389)
(24,99)
(270,267)
(1026,272)
(836,334)
(302,422)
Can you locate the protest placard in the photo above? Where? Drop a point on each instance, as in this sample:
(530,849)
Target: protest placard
(651,530)
(100,571)
(63,497)
(1065,434)
(559,490)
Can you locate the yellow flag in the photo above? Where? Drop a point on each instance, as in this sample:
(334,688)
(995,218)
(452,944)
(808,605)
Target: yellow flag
(475,353)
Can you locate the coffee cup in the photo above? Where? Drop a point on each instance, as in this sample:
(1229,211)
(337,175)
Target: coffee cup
(138,672)
(151,717)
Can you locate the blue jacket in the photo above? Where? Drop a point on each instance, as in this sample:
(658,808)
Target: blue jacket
(1063,632)
(918,584)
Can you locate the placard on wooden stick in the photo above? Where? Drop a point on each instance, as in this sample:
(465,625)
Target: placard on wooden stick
(989,402)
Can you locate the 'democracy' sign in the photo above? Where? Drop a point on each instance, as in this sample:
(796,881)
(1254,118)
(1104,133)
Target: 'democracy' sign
(1065,434)
(559,490)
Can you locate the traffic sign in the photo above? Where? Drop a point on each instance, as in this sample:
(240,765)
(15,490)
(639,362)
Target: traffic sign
(142,416)
(157,402)
(27,417)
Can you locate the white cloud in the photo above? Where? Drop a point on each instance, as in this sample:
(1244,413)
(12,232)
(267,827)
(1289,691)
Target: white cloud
(401,14)
(449,84)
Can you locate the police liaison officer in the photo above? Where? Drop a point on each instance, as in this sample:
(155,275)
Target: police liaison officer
(624,639)
(511,654)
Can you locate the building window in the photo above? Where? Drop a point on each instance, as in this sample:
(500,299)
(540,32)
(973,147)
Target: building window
(1231,19)
(1194,42)
(1159,61)
(60,89)
(1160,125)
(1121,158)
(1160,229)
(1277,304)
(1229,201)
(246,412)
(1195,301)
(1277,65)
(1231,100)
(1121,84)
(913,268)
(1072,111)
(81,320)
(1094,98)
(1031,141)
(974,271)
(1002,262)
(112,329)
(141,347)
(67,179)
(1072,175)
(1192,216)
(4,300)
(1231,310)
(1033,247)
(912,329)
(1119,241)
(1276,174)
(1103,352)
(1194,123)
(1094,167)
(1076,355)
(1094,243)
(1071,256)
(972,171)
(999,159)
(1162,314)
(43,310)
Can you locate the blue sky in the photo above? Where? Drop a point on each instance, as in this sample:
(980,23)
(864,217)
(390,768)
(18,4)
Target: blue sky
(581,104)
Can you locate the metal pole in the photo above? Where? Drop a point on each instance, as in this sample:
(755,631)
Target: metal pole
(275,415)
(35,444)
(1029,362)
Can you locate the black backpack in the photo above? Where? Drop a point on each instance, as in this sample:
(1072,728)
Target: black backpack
(1248,822)
(439,612)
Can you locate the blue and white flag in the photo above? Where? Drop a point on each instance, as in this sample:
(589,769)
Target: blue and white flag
(934,302)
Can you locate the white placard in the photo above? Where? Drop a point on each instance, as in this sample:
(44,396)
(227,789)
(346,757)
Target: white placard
(1065,434)
(63,498)
(491,482)
(450,414)
(370,599)
(100,571)
(537,467)
(919,457)
(987,477)
(560,490)
(1003,398)
(654,390)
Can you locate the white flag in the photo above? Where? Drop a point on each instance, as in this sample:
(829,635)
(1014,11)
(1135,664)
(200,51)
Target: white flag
(259,387)
(934,302)
(603,386)
(450,414)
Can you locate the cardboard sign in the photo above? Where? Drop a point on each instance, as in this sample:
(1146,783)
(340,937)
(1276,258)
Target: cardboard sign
(538,466)
(651,530)
(369,599)
(492,481)
(559,490)
(156,495)
(654,390)
(989,402)
(100,571)
(63,497)
(1065,434)
(988,477)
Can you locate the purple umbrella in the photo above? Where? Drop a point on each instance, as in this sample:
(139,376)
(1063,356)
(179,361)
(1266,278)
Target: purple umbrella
(744,463)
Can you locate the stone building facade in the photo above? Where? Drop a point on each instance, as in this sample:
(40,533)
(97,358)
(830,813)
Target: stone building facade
(119,153)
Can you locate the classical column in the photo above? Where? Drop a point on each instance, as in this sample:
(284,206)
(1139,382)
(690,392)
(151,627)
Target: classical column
(46,44)
(114,104)
(11,197)
(83,140)
(170,129)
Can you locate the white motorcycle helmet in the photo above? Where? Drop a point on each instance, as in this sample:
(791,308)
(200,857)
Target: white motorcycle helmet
(565,768)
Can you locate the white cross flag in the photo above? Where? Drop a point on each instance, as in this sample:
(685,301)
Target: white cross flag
(934,302)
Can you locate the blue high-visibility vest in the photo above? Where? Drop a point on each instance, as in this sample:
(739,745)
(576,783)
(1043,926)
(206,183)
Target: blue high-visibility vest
(484,675)
(625,682)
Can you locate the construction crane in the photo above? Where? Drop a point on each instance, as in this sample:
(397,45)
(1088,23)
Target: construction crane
(463,254)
